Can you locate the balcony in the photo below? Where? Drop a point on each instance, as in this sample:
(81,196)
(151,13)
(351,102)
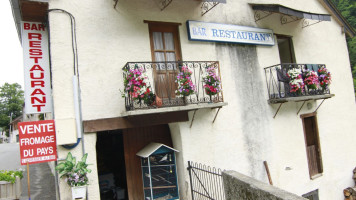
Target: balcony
(310,82)
(157,87)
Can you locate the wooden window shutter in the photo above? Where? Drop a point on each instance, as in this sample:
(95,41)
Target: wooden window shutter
(312,144)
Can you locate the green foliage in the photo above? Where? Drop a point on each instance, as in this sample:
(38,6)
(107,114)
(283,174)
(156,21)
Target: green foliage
(348,10)
(10,176)
(75,173)
(351,43)
(11,102)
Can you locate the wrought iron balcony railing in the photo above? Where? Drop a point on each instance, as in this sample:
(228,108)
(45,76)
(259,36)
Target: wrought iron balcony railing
(281,85)
(167,84)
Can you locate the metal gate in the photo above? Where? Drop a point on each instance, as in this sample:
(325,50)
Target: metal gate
(205,182)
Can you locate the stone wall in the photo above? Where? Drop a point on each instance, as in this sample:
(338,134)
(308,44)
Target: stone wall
(239,186)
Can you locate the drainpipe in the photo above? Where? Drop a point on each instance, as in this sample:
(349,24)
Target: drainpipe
(78,117)
(78,109)
(76,85)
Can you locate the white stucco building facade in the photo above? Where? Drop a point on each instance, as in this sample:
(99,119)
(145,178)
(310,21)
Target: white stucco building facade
(237,132)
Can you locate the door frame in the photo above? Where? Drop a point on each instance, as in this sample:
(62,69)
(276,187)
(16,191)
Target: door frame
(317,143)
(156,26)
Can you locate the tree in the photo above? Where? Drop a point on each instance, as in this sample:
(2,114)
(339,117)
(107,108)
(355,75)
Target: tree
(348,10)
(11,103)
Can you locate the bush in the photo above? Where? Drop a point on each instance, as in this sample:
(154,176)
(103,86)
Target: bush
(10,176)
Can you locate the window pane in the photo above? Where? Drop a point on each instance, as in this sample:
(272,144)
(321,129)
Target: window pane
(171,56)
(285,47)
(157,41)
(159,57)
(168,40)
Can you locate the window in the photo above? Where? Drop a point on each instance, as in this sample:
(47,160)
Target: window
(165,47)
(285,47)
(312,144)
(313,195)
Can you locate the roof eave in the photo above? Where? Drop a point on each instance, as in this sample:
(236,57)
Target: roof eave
(347,28)
(16,13)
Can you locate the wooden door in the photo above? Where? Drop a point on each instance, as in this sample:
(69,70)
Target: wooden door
(165,48)
(312,144)
(136,139)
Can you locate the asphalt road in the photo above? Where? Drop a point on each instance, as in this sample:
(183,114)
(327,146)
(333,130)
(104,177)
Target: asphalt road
(10,157)
(42,181)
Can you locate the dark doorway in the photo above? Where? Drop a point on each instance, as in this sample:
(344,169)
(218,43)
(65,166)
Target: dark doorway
(119,168)
(286,50)
(111,165)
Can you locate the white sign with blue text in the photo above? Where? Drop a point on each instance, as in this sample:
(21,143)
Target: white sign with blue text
(214,32)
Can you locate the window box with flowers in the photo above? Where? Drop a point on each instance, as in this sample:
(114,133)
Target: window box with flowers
(137,87)
(186,86)
(296,81)
(211,82)
(308,82)
(324,78)
(311,80)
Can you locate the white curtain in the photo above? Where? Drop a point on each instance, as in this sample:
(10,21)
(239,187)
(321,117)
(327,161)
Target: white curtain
(168,45)
(157,41)
(168,41)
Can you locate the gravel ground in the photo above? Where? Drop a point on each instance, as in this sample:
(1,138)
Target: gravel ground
(42,183)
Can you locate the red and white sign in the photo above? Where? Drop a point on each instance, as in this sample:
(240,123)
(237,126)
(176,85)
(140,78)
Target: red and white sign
(37,142)
(36,65)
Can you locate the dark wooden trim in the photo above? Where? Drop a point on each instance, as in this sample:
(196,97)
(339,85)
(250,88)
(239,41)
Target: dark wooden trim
(92,126)
(33,11)
(164,27)
(318,140)
(136,139)
(282,36)
(162,23)
(308,115)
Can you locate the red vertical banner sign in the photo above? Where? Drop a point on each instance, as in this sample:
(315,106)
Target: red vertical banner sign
(37,74)
(37,142)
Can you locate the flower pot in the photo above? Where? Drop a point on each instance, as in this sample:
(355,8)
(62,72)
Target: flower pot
(184,100)
(158,102)
(10,190)
(79,192)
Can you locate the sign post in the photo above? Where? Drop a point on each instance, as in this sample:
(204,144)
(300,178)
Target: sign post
(28,182)
(37,144)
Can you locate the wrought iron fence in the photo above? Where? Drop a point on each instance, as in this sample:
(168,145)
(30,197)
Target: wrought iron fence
(279,82)
(205,182)
(167,84)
